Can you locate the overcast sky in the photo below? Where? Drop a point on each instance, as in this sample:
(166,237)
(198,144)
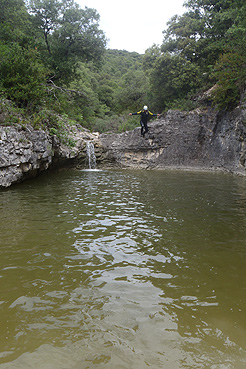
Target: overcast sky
(134,25)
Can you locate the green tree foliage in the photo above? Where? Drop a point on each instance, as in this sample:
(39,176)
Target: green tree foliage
(230,69)
(70,34)
(199,35)
(53,61)
(195,53)
(15,22)
(41,50)
(173,79)
(87,100)
(132,91)
(125,80)
(122,86)
(21,75)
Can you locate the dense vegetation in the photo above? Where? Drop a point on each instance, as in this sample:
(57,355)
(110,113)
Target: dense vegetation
(55,68)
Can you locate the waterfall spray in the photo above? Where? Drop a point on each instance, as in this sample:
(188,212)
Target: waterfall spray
(91,155)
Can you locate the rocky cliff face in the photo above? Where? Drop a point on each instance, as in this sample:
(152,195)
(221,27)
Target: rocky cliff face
(196,140)
(25,152)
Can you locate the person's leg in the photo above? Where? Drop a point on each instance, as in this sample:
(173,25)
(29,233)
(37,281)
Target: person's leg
(145,128)
(142,128)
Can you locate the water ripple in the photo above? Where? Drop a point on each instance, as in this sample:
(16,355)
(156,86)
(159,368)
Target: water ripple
(120,269)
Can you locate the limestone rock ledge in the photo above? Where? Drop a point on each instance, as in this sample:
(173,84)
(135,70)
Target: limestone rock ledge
(25,152)
(198,140)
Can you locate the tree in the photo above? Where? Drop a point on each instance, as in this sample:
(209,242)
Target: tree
(132,91)
(15,22)
(193,48)
(230,71)
(46,18)
(22,75)
(173,78)
(70,35)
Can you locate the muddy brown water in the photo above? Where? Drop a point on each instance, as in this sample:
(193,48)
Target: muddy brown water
(123,269)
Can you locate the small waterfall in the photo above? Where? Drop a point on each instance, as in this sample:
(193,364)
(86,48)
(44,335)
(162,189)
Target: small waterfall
(91,155)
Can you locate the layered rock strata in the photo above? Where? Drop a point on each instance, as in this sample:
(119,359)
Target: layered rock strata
(199,140)
(25,152)
(195,140)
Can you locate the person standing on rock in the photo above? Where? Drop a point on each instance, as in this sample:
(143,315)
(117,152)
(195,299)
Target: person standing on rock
(145,114)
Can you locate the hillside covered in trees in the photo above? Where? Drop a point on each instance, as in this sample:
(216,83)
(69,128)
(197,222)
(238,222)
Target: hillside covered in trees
(55,67)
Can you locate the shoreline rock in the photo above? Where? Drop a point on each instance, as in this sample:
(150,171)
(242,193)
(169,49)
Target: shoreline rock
(25,152)
(197,140)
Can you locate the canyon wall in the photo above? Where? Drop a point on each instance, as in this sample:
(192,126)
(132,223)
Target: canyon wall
(25,152)
(198,140)
(195,140)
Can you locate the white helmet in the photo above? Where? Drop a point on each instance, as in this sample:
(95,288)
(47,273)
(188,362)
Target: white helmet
(145,107)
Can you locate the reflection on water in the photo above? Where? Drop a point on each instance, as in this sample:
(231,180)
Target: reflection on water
(123,269)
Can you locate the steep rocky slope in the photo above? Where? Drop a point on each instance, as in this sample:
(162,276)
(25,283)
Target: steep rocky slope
(25,152)
(199,140)
(195,140)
